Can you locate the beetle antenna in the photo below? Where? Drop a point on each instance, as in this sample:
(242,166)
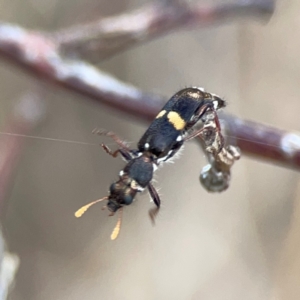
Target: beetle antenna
(84,208)
(117,228)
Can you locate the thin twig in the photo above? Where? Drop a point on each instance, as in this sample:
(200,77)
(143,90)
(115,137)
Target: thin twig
(37,54)
(262,141)
(111,35)
(40,55)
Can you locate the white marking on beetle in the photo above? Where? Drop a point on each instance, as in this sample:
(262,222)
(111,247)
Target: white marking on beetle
(159,160)
(147,146)
(216,105)
(290,144)
(169,159)
(179,138)
(135,186)
(121,173)
(199,88)
(124,159)
(155,167)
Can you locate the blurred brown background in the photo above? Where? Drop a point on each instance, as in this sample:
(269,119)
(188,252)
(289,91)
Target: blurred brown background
(241,244)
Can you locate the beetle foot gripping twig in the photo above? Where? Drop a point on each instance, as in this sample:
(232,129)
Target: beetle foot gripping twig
(215,176)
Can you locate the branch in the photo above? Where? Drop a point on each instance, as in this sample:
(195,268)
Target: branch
(40,55)
(262,141)
(111,35)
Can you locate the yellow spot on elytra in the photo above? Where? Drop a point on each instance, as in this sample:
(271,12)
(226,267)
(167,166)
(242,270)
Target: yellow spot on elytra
(175,119)
(160,114)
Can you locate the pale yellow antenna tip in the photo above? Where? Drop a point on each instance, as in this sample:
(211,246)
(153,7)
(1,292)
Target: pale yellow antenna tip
(84,208)
(117,228)
(116,231)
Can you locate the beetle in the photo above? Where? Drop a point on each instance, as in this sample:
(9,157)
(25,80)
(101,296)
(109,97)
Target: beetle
(167,133)
(165,136)
(133,178)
